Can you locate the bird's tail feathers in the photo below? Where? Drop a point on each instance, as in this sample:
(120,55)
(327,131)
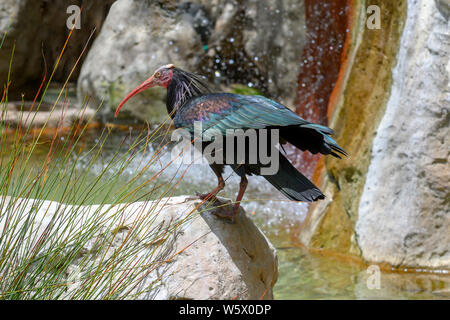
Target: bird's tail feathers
(293,184)
(314,138)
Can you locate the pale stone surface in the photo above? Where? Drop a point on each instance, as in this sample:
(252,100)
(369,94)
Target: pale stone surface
(276,42)
(404,212)
(204,257)
(444,7)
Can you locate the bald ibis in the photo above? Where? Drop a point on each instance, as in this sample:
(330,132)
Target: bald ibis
(190,99)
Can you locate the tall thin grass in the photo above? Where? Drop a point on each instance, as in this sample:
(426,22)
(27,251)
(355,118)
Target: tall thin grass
(74,251)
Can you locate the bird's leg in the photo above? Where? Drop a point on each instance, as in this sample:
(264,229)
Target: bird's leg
(231,213)
(242,187)
(219,208)
(212,195)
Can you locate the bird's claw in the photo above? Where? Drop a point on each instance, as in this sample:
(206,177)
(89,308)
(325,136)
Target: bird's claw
(207,197)
(219,208)
(226,214)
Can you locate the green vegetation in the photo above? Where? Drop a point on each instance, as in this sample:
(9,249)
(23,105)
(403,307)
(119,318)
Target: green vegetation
(245,90)
(47,258)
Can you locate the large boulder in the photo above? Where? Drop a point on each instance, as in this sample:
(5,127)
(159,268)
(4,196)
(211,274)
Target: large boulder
(388,201)
(227,41)
(39,27)
(404,212)
(165,249)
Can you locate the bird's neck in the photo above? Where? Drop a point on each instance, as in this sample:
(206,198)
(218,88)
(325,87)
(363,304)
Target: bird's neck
(174,99)
(183,87)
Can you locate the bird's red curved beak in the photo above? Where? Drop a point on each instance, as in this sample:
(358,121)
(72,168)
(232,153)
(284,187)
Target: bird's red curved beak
(150,82)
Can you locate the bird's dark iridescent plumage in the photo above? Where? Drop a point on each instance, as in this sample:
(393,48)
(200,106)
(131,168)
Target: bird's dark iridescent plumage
(190,99)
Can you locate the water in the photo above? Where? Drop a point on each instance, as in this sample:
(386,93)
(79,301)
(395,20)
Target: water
(303,274)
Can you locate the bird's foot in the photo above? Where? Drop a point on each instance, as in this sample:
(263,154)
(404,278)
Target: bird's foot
(226,213)
(207,197)
(201,196)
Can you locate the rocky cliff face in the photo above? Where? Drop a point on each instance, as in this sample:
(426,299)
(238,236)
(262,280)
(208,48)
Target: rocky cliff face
(362,99)
(404,211)
(388,102)
(38,29)
(388,200)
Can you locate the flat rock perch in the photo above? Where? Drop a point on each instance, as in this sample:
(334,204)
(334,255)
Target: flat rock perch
(194,255)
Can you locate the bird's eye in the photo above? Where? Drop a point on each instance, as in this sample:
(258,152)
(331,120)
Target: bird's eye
(158,74)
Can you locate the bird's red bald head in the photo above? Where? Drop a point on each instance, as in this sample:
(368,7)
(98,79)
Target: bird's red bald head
(162,77)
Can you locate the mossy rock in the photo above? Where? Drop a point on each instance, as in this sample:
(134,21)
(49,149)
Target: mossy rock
(355,120)
(245,90)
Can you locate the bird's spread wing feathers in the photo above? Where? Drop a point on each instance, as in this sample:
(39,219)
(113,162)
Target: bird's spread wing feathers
(224,111)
